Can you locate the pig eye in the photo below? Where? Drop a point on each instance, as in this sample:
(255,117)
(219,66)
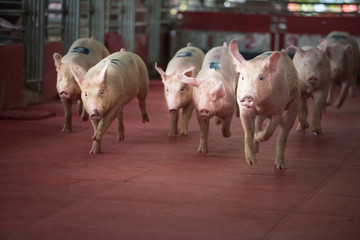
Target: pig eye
(242,78)
(167,90)
(85,94)
(182,88)
(261,77)
(101,92)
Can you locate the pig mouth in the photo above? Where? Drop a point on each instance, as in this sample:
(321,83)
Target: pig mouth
(95,117)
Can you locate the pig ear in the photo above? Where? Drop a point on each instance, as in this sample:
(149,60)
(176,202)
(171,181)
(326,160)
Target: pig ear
(322,45)
(224,44)
(273,61)
(161,72)
(188,80)
(239,60)
(101,77)
(218,92)
(79,74)
(296,49)
(188,45)
(188,72)
(348,49)
(57,59)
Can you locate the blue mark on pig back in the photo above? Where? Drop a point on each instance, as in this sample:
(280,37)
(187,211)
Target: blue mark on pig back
(187,53)
(214,65)
(112,60)
(337,37)
(80,49)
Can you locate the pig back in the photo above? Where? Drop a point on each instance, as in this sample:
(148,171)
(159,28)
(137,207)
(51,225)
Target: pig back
(218,62)
(127,75)
(85,52)
(185,58)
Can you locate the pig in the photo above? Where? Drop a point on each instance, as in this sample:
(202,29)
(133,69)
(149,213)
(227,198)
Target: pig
(177,94)
(313,67)
(107,87)
(214,92)
(267,89)
(85,52)
(343,52)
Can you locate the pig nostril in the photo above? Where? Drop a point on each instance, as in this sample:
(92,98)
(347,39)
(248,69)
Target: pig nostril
(96,112)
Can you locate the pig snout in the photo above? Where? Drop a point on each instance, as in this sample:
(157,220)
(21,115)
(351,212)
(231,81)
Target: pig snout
(95,115)
(64,94)
(247,101)
(336,72)
(313,81)
(205,113)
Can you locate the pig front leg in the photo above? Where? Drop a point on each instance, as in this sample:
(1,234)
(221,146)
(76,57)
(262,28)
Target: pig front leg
(204,133)
(270,127)
(258,128)
(343,93)
(302,114)
(285,125)
(319,105)
(248,125)
(174,124)
(67,104)
(186,115)
(101,127)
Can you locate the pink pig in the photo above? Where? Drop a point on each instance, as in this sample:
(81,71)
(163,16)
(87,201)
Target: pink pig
(177,94)
(267,89)
(107,87)
(343,52)
(85,52)
(214,92)
(313,67)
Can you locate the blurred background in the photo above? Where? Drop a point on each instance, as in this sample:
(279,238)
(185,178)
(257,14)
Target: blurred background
(32,30)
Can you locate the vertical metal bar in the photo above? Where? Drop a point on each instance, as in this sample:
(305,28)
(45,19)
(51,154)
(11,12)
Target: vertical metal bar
(97,19)
(129,24)
(154,31)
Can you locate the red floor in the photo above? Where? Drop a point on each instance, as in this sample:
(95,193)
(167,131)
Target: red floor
(154,187)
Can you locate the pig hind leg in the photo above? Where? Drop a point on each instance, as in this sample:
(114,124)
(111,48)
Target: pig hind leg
(285,125)
(120,126)
(82,112)
(343,93)
(142,105)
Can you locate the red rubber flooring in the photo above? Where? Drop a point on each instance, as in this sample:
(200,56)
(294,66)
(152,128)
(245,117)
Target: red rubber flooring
(154,187)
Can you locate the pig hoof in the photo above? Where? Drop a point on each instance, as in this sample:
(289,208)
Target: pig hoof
(279,166)
(302,127)
(226,133)
(183,132)
(172,134)
(121,138)
(66,130)
(316,132)
(218,121)
(202,150)
(145,118)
